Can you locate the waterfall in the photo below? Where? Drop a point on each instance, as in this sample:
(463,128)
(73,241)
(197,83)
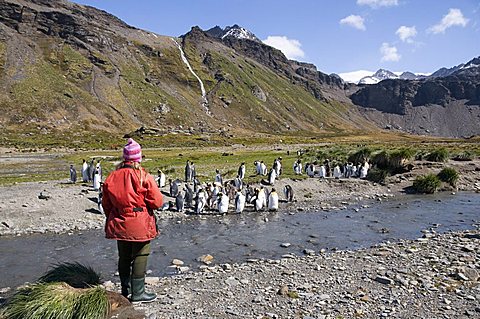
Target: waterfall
(202,87)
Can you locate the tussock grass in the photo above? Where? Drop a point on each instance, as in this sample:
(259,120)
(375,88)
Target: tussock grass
(57,300)
(449,175)
(74,274)
(427,184)
(438,155)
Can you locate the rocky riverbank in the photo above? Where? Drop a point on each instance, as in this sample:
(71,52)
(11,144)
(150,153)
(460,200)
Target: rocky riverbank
(61,207)
(436,276)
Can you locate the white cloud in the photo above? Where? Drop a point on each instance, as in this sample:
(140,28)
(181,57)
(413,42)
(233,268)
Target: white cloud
(406,33)
(378,3)
(354,21)
(389,53)
(454,17)
(290,47)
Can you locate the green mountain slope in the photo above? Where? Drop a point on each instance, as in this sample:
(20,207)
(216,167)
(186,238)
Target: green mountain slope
(68,71)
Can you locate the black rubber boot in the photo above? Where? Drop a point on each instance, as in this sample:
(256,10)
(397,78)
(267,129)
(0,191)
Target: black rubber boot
(125,282)
(138,292)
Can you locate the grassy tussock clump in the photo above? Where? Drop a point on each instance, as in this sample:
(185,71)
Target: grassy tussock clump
(427,184)
(438,155)
(74,274)
(464,157)
(57,300)
(378,175)
(449,175)
(360,156)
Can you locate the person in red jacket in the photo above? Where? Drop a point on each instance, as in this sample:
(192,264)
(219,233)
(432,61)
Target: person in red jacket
(130,195)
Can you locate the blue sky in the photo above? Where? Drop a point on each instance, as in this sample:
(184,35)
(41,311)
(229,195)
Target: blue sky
(335,35)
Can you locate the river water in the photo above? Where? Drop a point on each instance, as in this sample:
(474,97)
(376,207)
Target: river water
(236,238)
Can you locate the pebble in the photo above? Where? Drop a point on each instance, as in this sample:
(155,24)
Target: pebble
(177,262)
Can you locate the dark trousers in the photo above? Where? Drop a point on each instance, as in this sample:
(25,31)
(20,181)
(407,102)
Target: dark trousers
(132,258)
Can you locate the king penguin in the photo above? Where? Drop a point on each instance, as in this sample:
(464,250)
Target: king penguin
(288,192)
(222,203)
(201,201)
(180,202)
(273,200)
(239,202)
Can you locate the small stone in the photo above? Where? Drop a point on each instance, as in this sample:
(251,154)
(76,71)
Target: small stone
(323,297)
(383,280)
(152,280)
(183,269)
(226,267)
(283,291)
(206,259)
(177,262)
(285,245)
(309,252)
(5,290)
(468,248)
(231,281)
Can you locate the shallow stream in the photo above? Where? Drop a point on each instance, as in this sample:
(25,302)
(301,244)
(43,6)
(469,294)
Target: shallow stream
(236,238)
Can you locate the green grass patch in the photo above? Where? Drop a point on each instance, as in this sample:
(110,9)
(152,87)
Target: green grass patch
(438,155)
(449,175)
(427,184)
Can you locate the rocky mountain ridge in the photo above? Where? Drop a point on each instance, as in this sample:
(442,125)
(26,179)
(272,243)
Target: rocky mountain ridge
(67,69)
(434,105)
(383,74)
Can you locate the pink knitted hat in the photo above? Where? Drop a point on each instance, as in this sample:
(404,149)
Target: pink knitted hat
(132,151)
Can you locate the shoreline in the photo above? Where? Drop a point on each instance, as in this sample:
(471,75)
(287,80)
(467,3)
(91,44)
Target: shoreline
(73,207)
(435,276)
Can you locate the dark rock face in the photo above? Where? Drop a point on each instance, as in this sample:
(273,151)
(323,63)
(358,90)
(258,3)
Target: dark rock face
(73,23)
(390,96)
(395,96)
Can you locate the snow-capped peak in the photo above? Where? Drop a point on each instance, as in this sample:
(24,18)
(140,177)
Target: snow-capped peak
(239,33)
(234,31)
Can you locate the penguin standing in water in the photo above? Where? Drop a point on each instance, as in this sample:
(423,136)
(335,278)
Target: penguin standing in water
(273,200)
(222,203)
(200,201)
(239,202)
(241,171)
(288,192)
(264,194)
(258,200)
(188,196)
(180,202)
(215,190)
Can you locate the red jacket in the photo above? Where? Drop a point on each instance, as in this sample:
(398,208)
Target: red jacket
(128,205)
